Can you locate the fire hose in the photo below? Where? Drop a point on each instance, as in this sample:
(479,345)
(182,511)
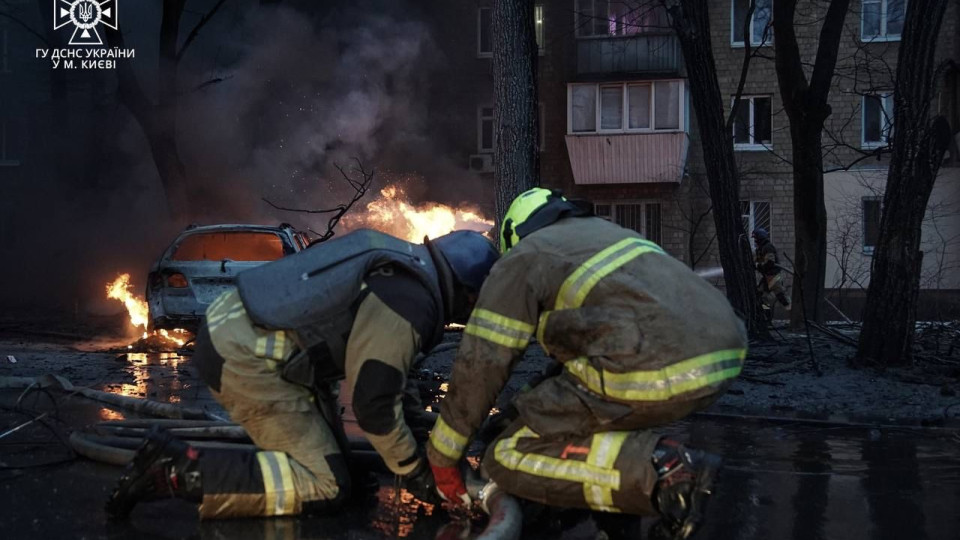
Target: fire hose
(115,443)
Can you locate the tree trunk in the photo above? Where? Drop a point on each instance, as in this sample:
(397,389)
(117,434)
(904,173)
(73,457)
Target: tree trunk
(515,95)
(690,20)
(807,107)
(917,151)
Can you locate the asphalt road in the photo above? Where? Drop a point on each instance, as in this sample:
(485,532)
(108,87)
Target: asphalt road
(782,479)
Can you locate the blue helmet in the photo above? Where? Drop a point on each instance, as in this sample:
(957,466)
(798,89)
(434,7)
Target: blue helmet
(761,234)
(469,255)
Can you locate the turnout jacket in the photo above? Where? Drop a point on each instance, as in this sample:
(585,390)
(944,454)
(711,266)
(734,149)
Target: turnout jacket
(633,327)
(395,317)
(767,259)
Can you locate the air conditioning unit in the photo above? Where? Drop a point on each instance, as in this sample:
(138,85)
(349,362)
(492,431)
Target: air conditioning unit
(482,163)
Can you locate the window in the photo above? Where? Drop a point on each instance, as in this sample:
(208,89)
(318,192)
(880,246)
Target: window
(606,18)
(485,129)
(236,246)
(761,29)
(882,20)
(755,214)
(538,25)
(643,217)
(877,120)
(870,208)
(752,127)
(626,107)
(484,32)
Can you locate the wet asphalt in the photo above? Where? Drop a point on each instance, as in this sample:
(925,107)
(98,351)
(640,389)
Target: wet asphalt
(783,479)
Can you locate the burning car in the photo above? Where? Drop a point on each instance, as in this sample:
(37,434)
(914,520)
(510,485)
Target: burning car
(203,262)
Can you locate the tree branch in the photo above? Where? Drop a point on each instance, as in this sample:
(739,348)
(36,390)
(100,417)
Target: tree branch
(746,65)
(826,60)
(360,187)
(196,29)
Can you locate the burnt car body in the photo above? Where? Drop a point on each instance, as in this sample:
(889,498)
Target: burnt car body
(203,263)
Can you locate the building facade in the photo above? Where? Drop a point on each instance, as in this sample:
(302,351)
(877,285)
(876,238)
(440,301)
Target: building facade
(618,127)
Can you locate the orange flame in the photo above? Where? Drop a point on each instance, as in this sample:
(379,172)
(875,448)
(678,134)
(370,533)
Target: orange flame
(392,213)
(119,289)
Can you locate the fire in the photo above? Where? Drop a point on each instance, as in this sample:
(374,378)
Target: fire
(119,289)
(394,214)
(139,313)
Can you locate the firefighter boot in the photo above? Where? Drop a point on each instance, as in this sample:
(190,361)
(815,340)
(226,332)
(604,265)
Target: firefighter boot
(163,467)
(685,482)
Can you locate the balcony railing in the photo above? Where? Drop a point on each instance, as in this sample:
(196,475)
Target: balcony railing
(642,53)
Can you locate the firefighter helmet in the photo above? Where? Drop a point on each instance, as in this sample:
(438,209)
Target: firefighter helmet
(533,210)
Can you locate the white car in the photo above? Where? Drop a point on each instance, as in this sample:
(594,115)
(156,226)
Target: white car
(203,262)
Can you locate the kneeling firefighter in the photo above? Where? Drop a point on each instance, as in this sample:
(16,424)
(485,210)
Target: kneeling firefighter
(358,307)
(643,341)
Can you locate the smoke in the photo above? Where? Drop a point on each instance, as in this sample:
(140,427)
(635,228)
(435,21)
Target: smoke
(271,98)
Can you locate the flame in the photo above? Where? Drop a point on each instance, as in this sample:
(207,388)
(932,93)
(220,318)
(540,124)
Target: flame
(392,213)
(119,289)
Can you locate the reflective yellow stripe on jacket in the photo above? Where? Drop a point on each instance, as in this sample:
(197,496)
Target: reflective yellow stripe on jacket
(660,384)
(499,329)
(447,441)
(578,285)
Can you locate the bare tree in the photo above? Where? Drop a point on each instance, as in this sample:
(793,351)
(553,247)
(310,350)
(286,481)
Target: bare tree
(359,180)
(158,118)
(690,20)
(889,322)
(806,104)
(515,94)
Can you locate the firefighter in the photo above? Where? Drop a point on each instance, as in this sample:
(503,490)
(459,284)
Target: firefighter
(359,307)
(770,285)
(643,341)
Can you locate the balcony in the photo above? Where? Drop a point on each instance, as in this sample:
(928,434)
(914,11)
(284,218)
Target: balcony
(640,158)
(642,53)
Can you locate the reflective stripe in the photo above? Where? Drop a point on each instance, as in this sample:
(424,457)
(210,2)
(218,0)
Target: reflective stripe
(279,491)
(447,440)
(541,327)
(272,346)
(235,312)
(571,470)
(660,384)
(579,284)
(499,329)
(603,453)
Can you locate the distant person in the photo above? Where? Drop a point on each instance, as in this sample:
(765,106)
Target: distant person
(643,341)
(770,285)
(359,307)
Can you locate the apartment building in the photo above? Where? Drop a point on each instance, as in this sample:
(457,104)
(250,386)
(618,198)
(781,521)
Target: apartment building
(618,127)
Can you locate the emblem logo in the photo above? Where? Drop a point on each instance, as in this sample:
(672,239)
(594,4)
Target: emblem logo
(85,16)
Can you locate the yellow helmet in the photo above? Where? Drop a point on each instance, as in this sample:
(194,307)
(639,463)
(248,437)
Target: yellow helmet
(532,210)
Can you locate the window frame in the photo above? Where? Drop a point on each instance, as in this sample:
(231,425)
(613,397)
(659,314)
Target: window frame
(493,133)
(625,128)
(480,52)
(577,26)
(752,146)
(733,20)
(869,249)
(883,36)
(643,203)
(886,120)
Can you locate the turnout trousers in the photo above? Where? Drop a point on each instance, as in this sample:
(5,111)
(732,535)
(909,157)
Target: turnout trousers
(298,465)
(573,448)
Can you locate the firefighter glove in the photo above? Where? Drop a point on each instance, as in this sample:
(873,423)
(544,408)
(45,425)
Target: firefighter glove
(450,485)
(421,484)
